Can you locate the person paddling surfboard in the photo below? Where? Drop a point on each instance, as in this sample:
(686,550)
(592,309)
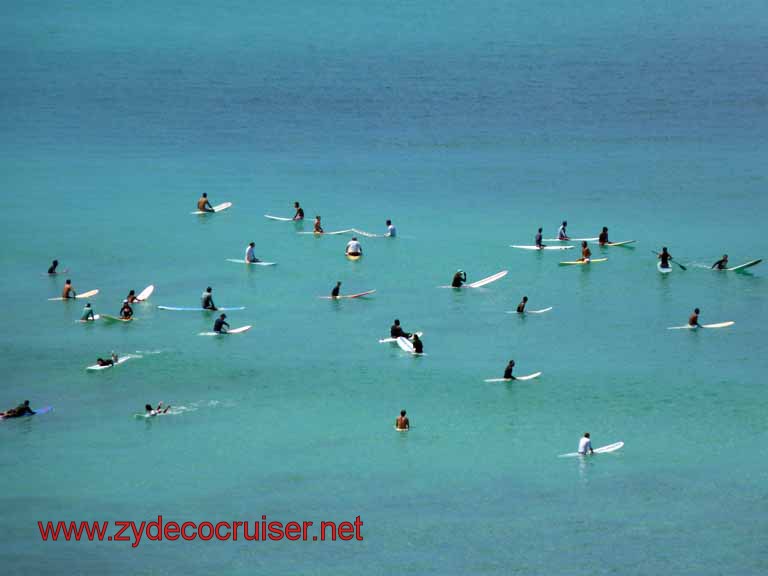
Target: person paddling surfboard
(402,422)
(20,410)
(299,212)
(562,234)
(203,205)
(521,306)
(458,279)
(508,370)
(665,257)
(108,361)
(207,299)
(721,264)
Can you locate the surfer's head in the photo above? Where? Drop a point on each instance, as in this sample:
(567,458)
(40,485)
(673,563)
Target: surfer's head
(209,289)
(389,222)
(586,434)
(565,223)
(205,195)
(223,316)
(252,244)
(147,407)
(397,322)
(402,412)
(525,298)
(696,311)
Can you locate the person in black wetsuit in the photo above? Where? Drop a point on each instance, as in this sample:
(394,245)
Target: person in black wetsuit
(299,212)
(521,306)
(52,269)
(665,257)
(20,410)
(602,239)
(721,264)
(396,331)
(207,299)
(508,370)
(336,289)
(418,345)
(459,278)
(126,312)
(218,326)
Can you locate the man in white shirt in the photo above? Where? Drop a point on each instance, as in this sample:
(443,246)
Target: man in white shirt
(562,234)
(249,255)
(585,444)
(391,230)
(354,248)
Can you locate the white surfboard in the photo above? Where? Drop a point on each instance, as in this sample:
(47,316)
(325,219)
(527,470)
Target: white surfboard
(614,244)
(146,293)
(571,239)
(95,317)
(540,248)
(368,234)
(198,309)
(582,262)
(334,233)
(742,266)
(78,297)
(527,377)
(689,327)
(602,450)
(280,218)
(663,270)
(488,280)
(394,340)
(218,208)
(109,318)
(407,346)
(346,296)
(542,311)
(119,361)
(233,331)
(251,263)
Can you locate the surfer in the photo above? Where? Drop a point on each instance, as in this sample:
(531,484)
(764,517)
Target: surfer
(562,234)
(401,422)
(126,312)
(458,279)
(155,411)
(354,248)
(538,239)
(299,212)
(131,298)
(391,230)
(20,410)
(207,299)
(521,306)
(318,227)
(52,269)
(203,205)
(87,313)
(694,319)
(218,326)
(249,255)
(396,331)
(665,257)
(107,362)
(721,264)
(586,253)
(508,370)
(336,289)
(68,291)
(585,444)
(603,238)
(418,345)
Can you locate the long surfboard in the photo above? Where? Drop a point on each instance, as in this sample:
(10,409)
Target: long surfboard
(602,450)
(199,309)
(218,208)
(43,410)
(689,327)
(583,262)
(343,296)
(614,244)
(540,247)
(368,234)
(742,266)
(488,280)
(279,218)
(334,233)
(252,263)
(109,318)
(78,297)
(571,239)
(542,311)
(394,340)
(119,361)
(407,346)
(239,330)
(527,377)
(146,293)
(95,317)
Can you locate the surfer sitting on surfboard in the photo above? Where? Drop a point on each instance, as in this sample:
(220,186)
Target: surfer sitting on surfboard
(354,248)
(87,313)
(299,212)
(561,232)
(108,362)
(508,370)
(418,345)
(538,239)
(396,331)
(401,422)
(391,230)
(336,289)
(155,411)
(68,292)
(585,444)
(521,306)
(586,253)
(249,255)
(52,269)
(721,264)
(318,227)
(218,326)
(20,410)
(603,238)
(458,279)
(665,257)
(207,299)
(203,205)
(694,319)
(126,312)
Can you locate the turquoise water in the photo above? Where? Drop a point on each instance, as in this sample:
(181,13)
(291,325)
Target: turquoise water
(469,125)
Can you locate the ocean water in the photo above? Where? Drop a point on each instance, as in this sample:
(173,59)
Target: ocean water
(469,125)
